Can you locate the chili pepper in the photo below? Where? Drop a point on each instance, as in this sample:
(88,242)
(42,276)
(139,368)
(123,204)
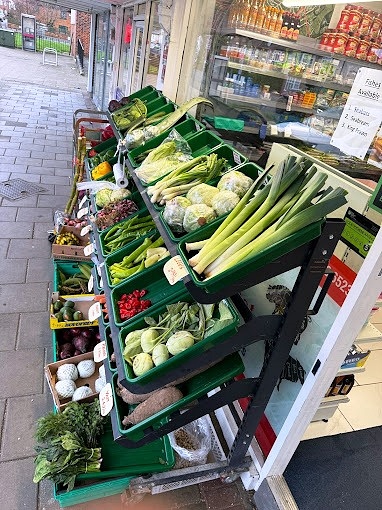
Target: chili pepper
(132,304)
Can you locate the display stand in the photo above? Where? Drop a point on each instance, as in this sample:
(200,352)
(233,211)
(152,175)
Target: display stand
(279,331)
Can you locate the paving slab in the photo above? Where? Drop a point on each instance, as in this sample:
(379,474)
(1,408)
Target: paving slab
(18,442)
(43,214)
(46,499)
(25,176)
(27,201)
(4,245)
(16,486)
(9,330)
(40,230)
(34,331)
(2,412)
(39,270)
(23,297)
(12,272)
(57,203)
(8,214)
(21,372)
(13,230)
(33,248)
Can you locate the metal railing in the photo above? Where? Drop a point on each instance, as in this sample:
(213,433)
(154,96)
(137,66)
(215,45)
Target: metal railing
(80,55)
(44,41)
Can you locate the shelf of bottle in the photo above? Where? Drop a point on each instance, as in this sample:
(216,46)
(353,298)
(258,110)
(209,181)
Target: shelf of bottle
(245,100)
(282,75)
(303,44)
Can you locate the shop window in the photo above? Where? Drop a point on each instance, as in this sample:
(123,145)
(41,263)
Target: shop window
(64,14)
(63,29)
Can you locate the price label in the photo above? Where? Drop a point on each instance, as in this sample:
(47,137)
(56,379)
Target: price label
(85,230)
(100,352)
(274,130)
(94,311)
(83,200)
(198,127)
(99,269)
(89,249)
(174,270)
(287,132)
(82,212)
(236,158)
(342,282)
(106,399)
(91,283)
(100,283)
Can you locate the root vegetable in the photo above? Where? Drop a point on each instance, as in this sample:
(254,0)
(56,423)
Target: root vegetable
(153,405)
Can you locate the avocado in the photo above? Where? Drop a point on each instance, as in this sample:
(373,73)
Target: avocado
(57,305)
(69,303)
(59,316)
(67,314)
(78,316)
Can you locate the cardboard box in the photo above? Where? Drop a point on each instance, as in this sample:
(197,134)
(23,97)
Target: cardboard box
(50,374)
(81,302)
(70,252)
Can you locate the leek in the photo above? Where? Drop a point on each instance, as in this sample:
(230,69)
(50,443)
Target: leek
(280,230)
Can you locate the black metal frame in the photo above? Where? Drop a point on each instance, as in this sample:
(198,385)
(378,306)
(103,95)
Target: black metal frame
(280,331)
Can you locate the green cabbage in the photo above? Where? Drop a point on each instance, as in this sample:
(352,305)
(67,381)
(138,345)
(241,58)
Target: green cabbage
(196,216)
(235,181)
(103,197)
(224,201)
(174,211)
(202,194)
(119,194)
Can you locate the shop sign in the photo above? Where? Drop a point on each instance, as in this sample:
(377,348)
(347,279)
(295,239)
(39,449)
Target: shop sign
(342,281)
(362,114)
(359,232)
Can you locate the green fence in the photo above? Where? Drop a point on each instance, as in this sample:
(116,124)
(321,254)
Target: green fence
(42,41)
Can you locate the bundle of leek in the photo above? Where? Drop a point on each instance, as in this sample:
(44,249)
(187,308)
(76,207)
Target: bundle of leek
(185,176)
(268,215)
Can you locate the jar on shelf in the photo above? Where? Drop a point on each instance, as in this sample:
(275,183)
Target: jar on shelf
(355,17)
(351,45)
(376,26)
(344,18)
(340,42)
(366,22)
(362,48)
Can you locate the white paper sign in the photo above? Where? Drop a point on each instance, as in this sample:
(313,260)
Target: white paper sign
(82,212)
(362,114)
(85,230)
(100,352)
(83,200)
(106,399)
(95,311)
(174,269)
(91,283)
(88,249)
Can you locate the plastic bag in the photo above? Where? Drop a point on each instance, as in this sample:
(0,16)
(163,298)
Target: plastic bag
(174,212)
(163,159)
(192,442)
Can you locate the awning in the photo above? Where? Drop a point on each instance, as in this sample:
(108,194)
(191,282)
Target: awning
(84,5)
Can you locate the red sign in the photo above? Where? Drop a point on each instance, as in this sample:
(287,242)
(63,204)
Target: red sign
(342,282)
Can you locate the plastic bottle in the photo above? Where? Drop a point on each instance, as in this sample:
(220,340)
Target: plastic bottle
(285,25)
(260,15)
(253,15)
(273,21)
(290,31)
(245,8)
(232,15)
(280,21)
(296,31)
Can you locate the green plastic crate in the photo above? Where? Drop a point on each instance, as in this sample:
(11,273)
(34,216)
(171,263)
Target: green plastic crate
(187,128)
(159,105)
(146,91)
(155,457)
(192,389)
(110,144)
(110,349)
(90,492)
(123,252)
(68,269)
(203,143)
(159,291)
(175,361)
(254,263)
(137,199)
(105,252)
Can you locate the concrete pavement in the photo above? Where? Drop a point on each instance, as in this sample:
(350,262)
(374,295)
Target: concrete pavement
(36,112)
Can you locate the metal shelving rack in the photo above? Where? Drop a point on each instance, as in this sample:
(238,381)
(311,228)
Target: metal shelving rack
(279,331)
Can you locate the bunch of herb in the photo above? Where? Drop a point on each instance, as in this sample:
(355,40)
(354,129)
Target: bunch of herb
(69,443)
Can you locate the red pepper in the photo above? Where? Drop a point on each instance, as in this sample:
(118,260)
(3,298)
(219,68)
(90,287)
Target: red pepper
(132,304)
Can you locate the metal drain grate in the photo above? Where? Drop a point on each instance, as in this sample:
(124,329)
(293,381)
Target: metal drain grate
(18,188)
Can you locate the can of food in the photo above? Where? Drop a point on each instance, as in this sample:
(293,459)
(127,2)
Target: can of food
(362,48)
(372,54)
(340,43)
(351,45)
(366,22)
(355,17)
(344,18)
(376,26)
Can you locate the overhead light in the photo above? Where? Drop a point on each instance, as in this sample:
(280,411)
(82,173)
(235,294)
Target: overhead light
(303,3)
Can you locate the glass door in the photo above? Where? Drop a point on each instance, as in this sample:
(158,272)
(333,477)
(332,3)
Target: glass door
(138,55)
(101,59)
(125,56)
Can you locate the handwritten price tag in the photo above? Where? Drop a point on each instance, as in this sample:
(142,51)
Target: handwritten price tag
(106,399)
(82,212)
(174,270)
(91,283)
(100,352)
(100,283)
(85,230)
(94,311)
(89,249)
(236,158)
